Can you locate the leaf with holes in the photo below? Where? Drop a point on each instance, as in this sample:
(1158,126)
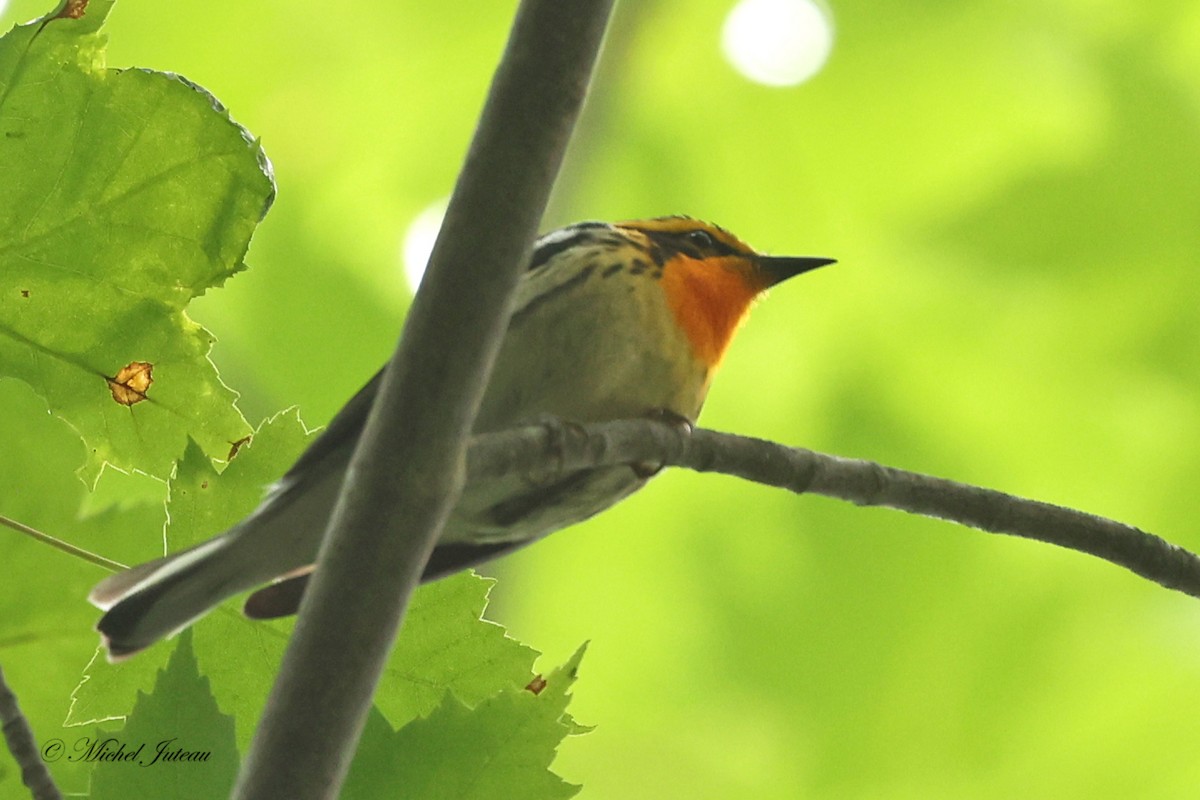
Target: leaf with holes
(126,194)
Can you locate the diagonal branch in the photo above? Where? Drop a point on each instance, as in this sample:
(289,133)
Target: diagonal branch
(23,747)
(541,450)
(407,469)
(59,544)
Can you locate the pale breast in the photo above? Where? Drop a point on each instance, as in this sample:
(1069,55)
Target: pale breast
(592,344)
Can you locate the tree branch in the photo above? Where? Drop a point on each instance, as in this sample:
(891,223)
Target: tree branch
(407,469)
(23,746)
(59,544)
(542,452)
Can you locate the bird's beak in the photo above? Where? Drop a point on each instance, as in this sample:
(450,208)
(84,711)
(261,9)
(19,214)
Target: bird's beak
(780,268)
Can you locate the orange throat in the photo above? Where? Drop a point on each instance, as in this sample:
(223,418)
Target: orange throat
(709,301)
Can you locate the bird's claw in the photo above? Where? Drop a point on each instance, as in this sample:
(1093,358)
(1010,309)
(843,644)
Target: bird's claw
(645,470)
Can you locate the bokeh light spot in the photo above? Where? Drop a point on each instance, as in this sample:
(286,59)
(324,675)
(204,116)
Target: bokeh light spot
(418,241)
(778,42)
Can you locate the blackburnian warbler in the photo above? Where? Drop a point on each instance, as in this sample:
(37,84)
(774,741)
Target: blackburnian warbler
(610,321)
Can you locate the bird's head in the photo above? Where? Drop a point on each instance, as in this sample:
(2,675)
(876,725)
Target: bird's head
(710,277)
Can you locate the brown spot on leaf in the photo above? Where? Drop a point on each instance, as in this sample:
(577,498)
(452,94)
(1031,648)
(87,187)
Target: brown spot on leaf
(203,484)
(235,446)
(72,9)
(24,293)
(536,685)
(130,385)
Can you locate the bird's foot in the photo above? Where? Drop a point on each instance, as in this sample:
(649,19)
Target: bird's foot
(560,432)
(648,469)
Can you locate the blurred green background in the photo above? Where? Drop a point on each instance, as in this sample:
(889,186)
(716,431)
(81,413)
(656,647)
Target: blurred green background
(1013,191)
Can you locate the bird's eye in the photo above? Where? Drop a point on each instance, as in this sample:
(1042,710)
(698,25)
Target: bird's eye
(702,239)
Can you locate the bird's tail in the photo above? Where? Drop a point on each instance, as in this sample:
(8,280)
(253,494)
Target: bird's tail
(159,598)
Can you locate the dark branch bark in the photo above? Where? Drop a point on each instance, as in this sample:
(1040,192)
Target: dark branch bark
(543,450)
(407,470)
(23,746)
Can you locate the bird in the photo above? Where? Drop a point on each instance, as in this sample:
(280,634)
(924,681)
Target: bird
(611,320)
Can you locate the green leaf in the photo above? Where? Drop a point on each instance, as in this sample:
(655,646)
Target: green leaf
(202,503)
(45,623)
(127,194)
(501,748)
(175,737)
(445,644)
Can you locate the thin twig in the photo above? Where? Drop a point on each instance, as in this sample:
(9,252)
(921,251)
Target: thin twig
(541,450)
(23,746)
(66,547)
(407,468)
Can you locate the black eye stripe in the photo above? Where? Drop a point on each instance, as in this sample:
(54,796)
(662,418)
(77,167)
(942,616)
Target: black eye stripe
(687,244)
(659,245)
(689,238)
